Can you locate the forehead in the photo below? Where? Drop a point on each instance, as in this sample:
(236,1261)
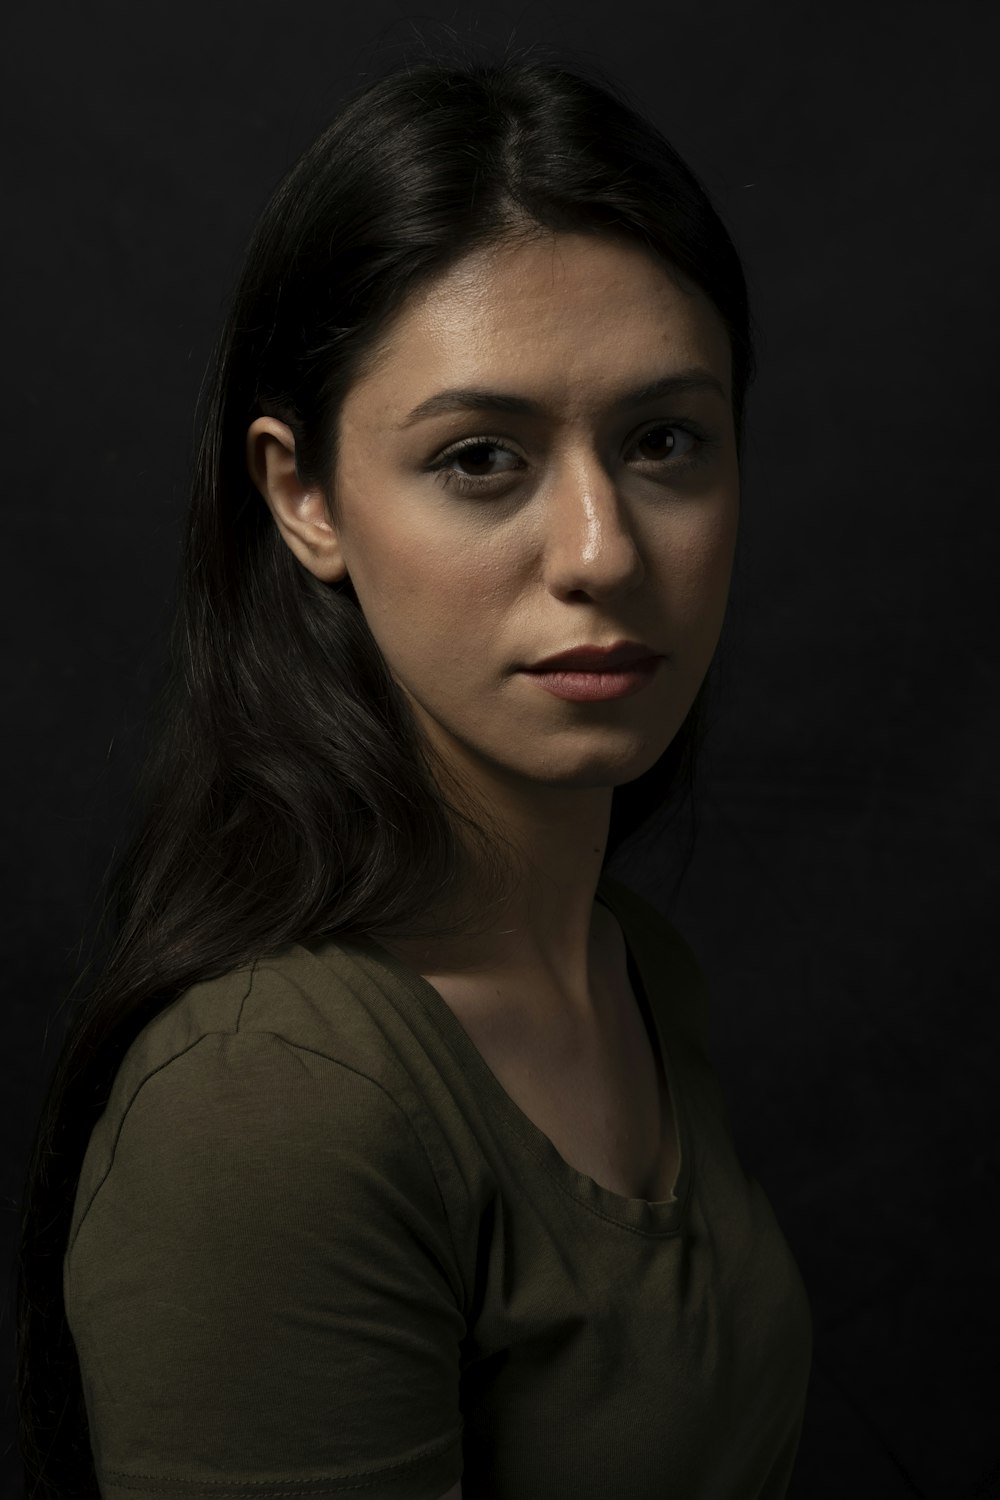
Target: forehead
(565,317)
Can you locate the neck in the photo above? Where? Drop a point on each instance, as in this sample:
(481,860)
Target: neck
(546,936)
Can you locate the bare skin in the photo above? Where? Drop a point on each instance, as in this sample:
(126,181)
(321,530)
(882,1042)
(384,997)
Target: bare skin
(596,1087)
(602,522)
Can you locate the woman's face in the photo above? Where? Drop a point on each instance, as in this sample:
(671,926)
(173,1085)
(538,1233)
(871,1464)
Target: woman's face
(596,520)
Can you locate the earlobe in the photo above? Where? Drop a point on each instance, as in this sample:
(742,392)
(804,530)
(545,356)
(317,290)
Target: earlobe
(300,513)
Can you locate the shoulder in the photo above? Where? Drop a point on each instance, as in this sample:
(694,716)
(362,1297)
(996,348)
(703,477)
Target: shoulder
(649,926)
(259,1240)
(664,954)
(278,1068)
(288,1015)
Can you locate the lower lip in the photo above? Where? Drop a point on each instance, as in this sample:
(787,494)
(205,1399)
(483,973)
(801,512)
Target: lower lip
(594,687)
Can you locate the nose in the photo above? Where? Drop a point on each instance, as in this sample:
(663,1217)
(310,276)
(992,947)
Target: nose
(591,541)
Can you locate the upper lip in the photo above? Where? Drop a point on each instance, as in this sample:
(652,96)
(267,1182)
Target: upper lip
(597,658)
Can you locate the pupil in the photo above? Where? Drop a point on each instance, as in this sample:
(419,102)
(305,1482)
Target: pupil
(484,448)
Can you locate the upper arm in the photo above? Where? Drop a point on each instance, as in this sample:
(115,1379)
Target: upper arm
(269,1245)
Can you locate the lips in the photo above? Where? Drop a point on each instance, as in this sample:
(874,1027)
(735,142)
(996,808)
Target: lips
(595,658)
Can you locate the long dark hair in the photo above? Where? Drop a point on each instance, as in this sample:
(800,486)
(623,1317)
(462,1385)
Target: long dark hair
(285,793)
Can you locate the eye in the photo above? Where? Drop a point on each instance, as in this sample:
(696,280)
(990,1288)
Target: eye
(675,445)
(665,444)
(474,451)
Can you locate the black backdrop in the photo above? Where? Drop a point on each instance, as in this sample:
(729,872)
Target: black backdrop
(842,895)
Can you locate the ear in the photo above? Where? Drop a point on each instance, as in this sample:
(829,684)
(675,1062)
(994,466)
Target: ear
(300,513)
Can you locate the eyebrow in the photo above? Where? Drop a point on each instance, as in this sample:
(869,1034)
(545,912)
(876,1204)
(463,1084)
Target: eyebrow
(474,399)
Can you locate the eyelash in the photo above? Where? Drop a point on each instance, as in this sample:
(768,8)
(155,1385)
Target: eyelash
(477,483)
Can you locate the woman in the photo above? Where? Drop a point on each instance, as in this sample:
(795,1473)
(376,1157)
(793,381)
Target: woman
(386,1153)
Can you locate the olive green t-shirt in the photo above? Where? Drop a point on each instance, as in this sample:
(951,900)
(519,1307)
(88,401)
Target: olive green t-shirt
(318,1250)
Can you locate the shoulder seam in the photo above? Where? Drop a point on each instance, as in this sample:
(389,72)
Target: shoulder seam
(297,1046)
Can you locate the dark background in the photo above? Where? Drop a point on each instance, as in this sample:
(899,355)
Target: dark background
(842,896)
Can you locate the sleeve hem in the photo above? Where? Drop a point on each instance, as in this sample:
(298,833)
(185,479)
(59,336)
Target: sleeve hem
(427,1476)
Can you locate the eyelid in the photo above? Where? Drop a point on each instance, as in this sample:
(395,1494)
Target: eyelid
(705,437)
(480,441)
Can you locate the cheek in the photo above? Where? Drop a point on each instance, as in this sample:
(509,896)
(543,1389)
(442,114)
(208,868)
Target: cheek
(423,596)
(696,567)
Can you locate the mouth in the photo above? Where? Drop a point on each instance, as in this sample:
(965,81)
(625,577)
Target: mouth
(596,684)
(617,658)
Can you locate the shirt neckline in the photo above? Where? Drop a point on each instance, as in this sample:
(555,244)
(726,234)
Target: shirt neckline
(653,1217)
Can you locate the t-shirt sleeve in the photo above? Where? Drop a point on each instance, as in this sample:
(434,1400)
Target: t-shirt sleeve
(263,1292)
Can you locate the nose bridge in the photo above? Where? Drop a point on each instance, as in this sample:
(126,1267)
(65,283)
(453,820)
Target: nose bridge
(583,486)
(599,509)
(587,521)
